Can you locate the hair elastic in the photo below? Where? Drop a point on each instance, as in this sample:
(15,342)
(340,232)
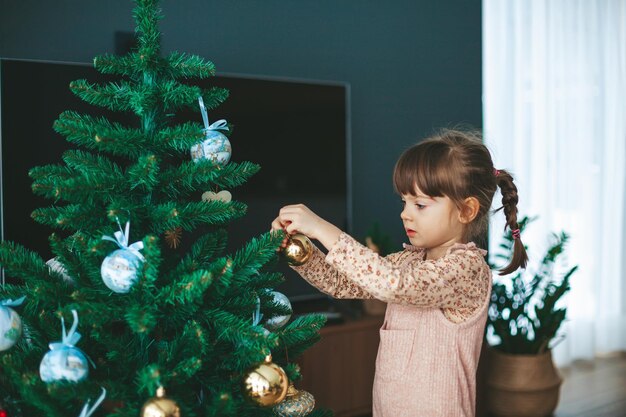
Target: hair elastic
(496,172)
(515,233)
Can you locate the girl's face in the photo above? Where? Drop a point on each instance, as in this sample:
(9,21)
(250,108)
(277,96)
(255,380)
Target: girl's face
(431,222)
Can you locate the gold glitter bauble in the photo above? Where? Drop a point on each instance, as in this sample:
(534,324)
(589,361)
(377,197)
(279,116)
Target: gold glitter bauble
(297,404)
(267,384)
(299,249)
(160,406)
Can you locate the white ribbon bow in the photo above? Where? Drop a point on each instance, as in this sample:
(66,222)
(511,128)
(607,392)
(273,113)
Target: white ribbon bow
(86,412)
(219,125)
(12,303)
(70,338)
(256,315)
(121,238)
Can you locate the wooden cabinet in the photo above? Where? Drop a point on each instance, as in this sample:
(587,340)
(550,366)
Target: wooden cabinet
(339,369)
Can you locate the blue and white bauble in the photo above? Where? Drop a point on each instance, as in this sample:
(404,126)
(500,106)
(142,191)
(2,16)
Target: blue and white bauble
(66,363)
(215,148)
(10,327)
(277,322)
(120,270)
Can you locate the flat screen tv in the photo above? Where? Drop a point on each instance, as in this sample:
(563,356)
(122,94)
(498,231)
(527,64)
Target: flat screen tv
(297,131)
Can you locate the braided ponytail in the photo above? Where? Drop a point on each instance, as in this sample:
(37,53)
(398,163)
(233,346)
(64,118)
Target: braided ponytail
(508,189)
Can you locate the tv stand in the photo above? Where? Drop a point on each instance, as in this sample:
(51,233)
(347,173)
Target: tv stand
(339,369)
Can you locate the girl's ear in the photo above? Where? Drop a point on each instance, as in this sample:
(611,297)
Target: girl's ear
(469,211)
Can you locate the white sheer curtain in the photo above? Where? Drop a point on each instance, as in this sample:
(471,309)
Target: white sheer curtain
(554,79)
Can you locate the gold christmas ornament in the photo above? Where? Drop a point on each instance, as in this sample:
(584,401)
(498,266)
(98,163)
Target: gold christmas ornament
(297,403)
(267,384)
(299,249)
(160,406)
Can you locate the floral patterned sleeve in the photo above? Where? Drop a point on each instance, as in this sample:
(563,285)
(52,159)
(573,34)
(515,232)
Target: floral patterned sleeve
(327,279)
(458,280)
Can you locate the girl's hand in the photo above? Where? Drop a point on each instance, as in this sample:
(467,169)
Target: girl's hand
(277,225)
(299,218)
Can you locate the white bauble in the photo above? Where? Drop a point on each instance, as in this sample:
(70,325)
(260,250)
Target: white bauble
(215,148)
(10,327)
(66,363)
(120,270)
(277,322)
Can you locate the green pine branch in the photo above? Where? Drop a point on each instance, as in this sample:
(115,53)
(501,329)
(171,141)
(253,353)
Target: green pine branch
(188,289)
(123,95)
(168,216)
(201,254)
(191,176)
(69,217)
(120,96)
(182,65)
(256,253)
(19,262)
(58,172)
(268,279)
(144,174)
(175,95)
(92,176)
(97,133)
(299,335)
(128,65)
(180,138)
(147,15)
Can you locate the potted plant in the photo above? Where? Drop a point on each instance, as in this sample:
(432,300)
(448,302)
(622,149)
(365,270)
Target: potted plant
(524,319)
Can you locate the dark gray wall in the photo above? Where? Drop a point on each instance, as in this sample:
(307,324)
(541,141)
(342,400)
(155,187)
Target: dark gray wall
(413,65)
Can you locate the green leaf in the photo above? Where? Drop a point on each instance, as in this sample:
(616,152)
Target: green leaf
(522,312)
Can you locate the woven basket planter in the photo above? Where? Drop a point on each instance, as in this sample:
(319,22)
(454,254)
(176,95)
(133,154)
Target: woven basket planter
(522,385)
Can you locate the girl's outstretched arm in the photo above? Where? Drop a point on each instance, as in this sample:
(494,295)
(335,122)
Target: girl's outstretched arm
(327,279)
(459,280)
(299,218)
(317,271)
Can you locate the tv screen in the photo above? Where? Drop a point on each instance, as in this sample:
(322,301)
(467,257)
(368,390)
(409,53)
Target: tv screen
(297,131)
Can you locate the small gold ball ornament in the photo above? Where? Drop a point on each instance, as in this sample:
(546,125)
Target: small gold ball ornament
(267,384)
(160,406)
(298,403)
(299,249)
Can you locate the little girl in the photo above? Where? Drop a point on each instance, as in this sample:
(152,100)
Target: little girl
(437,289)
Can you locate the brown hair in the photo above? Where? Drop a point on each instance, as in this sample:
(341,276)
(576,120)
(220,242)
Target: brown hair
(456,164)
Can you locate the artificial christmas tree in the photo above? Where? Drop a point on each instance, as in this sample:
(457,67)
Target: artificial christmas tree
(158,312)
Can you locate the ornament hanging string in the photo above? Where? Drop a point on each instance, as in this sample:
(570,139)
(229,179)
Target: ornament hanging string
(121,238)
(13,303)
(219,125)
(256,315)
(69,339)
(87,412)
